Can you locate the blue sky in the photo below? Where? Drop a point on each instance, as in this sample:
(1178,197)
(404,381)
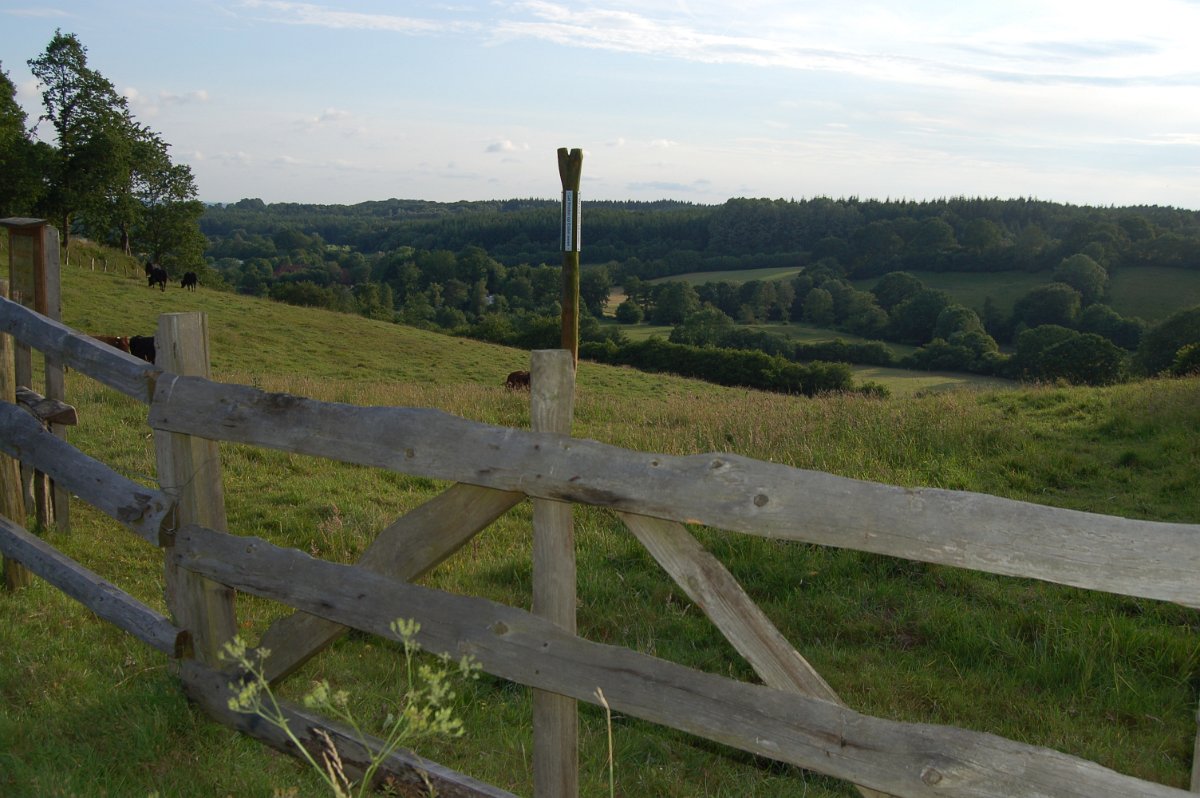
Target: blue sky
(1091,103)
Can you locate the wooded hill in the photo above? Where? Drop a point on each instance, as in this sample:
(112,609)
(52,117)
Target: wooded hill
(655,239)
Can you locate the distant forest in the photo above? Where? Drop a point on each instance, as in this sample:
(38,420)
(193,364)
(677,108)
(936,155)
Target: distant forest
(490,270)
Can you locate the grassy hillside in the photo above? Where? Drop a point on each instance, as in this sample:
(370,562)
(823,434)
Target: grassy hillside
(85,711)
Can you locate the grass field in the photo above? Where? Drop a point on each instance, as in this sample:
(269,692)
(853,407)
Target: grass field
(1147,293)
(85,711)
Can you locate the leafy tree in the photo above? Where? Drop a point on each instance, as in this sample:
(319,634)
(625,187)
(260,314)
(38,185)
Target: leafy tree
(85,109)
(673,301)
(594,286)
(705,327)
(913,320)
(629,312)
(895,287)
(956,319)
(1104,321)
(1055,303)
(20,157)
(1187,361)
(1085,275)
(1031,344)
(818,308)
(1082,359)
(1162,342)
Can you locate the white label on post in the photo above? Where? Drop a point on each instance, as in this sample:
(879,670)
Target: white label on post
(570,221)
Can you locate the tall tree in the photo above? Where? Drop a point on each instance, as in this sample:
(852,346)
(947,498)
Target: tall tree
(84,108)
(20,187)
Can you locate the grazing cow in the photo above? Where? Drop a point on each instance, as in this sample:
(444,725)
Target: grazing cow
(158,276)
(142,346)
(115,341)
(189,281)
(517,380)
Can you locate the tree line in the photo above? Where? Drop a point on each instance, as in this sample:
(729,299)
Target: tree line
(106,176)
(472,292)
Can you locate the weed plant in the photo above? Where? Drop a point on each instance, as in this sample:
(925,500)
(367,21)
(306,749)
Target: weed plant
(85,710)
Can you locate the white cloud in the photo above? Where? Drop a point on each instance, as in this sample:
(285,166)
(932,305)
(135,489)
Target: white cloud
(320,16)
(506,146)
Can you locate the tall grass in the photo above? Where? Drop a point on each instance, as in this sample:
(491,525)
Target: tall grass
(87,711)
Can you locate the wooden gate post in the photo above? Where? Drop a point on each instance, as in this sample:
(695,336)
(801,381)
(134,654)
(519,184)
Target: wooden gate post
(12,499)
(555,719)
(189,469)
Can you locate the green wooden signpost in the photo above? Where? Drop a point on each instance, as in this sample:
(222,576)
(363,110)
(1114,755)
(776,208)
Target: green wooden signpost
(570,165)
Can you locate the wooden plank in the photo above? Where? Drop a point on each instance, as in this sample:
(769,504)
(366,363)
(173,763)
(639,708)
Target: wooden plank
(140,509)
(715,591)
(189,470)
(56,384)
(555,717)
(98,595)
(970,530)
(12,497)
(902,759)
(46,410)
(119,370)
(409,548)
(413,775)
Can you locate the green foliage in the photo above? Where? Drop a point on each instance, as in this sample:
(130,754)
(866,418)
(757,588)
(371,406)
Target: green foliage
(424,711)
(1051,353)
(1162,342)
(1187,361)
(895,287)
(1055,303)
(629,312)
(1084,275)
(914,319)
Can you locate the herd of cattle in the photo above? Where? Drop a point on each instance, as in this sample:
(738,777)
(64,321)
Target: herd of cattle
(143,345)
(157,275)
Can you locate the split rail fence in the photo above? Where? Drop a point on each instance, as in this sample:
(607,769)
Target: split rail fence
(793,717)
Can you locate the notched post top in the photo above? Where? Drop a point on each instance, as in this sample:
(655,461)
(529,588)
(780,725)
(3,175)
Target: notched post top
(570,167)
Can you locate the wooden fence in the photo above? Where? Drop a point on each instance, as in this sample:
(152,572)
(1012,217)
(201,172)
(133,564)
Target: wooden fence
(793,717)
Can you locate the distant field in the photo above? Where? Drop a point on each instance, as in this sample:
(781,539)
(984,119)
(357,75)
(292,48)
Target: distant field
(972,289)
(1150,293)
(736,276)
(905,383)
(1153,293)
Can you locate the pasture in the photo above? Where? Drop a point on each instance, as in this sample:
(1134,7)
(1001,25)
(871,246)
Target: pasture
(86,711)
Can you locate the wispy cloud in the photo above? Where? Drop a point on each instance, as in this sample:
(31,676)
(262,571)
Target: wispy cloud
(505,146)
(320,16)
(150,105)
(35,12)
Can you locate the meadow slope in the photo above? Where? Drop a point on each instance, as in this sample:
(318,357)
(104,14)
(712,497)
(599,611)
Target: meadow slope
(85,711)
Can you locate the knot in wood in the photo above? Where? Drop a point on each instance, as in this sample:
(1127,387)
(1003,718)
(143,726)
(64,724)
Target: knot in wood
(931,775)
(761,500)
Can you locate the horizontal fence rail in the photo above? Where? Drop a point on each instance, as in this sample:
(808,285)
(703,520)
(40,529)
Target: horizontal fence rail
(907,759)
(1149,559)
(795,717)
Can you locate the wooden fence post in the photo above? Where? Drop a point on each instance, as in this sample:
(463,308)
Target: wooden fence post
(555,719)
(12,499)
(50,306)
(570,167)
(189,469)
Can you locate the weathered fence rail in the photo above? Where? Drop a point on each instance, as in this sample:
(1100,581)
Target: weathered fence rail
(794,717)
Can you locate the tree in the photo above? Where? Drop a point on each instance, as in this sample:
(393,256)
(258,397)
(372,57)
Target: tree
(594,287)
(1085,275)
(20,188)
(673,301)
(913,320)
(705,327)
(629,312)
(895,287)
(1055,303)
(1161,343)
(956,319)
(84,108)
(1104,321)
(1082,359)
(818,308)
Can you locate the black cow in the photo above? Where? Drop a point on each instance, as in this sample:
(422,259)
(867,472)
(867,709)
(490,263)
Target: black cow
(158,276)
(517,380)
(142,346)
(189,281)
